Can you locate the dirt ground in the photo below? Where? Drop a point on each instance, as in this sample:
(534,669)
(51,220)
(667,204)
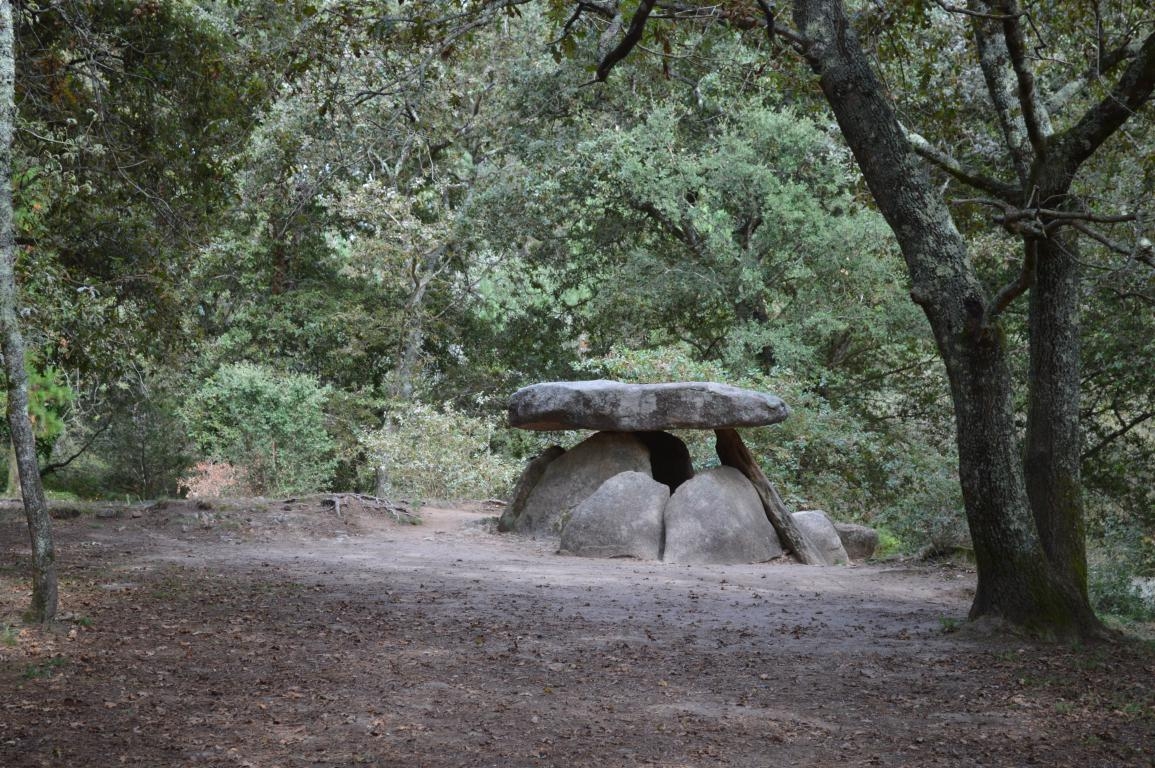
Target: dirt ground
(264,633)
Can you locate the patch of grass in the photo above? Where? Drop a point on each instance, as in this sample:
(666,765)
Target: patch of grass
(1134,709)
(45,670)
(949,624)
(889,545)
(1092,659)
(1041,680)
(8,635)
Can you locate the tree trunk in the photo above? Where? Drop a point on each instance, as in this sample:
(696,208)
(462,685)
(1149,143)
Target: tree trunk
(1052,455)
(734,453)
(414,334)
(44,591)
(12,490)
(1016,580)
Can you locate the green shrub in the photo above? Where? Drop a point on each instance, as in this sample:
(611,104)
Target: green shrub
(889,545)
(426,452)
(126,440)
(268,424)
(1114,592)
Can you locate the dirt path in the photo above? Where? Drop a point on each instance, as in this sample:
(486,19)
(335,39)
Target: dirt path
(277,634)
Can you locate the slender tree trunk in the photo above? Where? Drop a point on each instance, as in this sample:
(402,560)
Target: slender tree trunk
(1052,455)
(414,335)
(44,593)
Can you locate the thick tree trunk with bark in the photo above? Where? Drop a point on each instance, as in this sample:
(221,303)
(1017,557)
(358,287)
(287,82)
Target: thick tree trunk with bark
(1052,455)
(1016,579)
(44,590)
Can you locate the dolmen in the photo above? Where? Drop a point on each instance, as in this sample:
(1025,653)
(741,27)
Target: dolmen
(630,490)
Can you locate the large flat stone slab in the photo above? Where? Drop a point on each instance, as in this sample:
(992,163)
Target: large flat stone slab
(612,405)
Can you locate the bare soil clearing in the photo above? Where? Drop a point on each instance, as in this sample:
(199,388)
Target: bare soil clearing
(262,633)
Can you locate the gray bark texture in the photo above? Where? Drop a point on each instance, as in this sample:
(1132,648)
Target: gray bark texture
(1053,450)
(44,588)
(1017,581)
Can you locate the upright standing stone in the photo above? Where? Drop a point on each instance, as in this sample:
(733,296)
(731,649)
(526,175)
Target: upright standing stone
(718,518)
(623,518)
(818,529)
(572,477)
(529,479)
(859,541)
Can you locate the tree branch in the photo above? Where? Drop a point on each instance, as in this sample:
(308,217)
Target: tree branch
(1002,86)
(1116,434)
(1045,220)
(632,38)
(1103,65)
(1034,114)
(1020,284)
(1103,239)
(949,8)
(924,149)
(48,469)
(565,30)
(773,29)
(1132,91)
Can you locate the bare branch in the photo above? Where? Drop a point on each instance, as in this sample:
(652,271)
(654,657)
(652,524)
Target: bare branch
(1020,284)
(565,30)
(1049,216)
(925,150)
(773,29)
(48,469)
(1034,115)
(1116,434)
(1103,239)
(1134,88)
(1103,65)
(607,9)
(632,38)
(1065,216)
(949,8)
(1002,86)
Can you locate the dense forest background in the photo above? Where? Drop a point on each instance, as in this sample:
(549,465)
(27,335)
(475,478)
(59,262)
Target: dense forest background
(272,247)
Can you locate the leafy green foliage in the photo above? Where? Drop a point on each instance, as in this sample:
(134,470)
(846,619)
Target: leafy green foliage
(412,203)
(127,111)
(1114,592)
(426,452)
(268,424)
(49,399)
(129,441)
